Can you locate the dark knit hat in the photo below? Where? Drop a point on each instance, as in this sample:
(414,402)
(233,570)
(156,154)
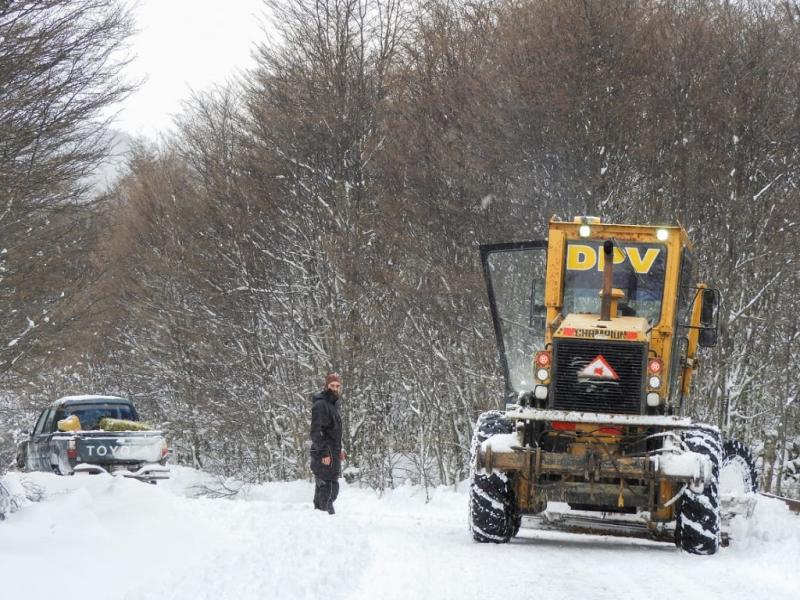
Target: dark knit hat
(331,377)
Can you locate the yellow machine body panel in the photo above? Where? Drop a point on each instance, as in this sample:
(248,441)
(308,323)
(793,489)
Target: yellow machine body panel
(568,251)
(631,329)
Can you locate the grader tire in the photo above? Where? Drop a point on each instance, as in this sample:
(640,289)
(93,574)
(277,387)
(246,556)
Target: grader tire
(493,515)
(738,471)
(697,527)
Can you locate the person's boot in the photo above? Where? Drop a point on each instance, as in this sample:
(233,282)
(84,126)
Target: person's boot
(330,509)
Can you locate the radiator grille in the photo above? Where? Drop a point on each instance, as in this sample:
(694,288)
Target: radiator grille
(569,392)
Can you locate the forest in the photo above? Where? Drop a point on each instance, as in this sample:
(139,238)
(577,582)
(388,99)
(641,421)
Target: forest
(323,211)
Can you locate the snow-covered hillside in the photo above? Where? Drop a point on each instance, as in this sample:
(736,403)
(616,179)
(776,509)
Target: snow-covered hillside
(101,537)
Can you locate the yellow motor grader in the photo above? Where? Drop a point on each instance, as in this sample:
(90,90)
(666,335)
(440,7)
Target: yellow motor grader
(598,329)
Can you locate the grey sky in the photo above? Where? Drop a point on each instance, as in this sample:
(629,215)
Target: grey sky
(183,45)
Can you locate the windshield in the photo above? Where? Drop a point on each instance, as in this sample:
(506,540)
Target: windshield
(90,414)
(638,271)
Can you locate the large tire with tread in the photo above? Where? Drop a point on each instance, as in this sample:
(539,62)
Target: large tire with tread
(738,472)
(697,527)
(493,514)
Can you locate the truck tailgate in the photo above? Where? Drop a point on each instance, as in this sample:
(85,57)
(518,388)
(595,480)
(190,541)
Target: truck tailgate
(103,447)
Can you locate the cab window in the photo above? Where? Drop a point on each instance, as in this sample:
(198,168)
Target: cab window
(687,293)
(515,277)
(40,422)
(90,414)
(49,422)
(639,271)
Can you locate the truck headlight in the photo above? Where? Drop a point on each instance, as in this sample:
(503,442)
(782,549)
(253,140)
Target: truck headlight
(540,392)
(653,399)
(654,382)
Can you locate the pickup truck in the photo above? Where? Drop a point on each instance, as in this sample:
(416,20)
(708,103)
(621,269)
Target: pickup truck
(138,454)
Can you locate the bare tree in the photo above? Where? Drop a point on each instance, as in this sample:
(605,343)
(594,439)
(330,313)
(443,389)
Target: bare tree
(59,72)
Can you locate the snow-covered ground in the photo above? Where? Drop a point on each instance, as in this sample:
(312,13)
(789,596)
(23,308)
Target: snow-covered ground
(102,537)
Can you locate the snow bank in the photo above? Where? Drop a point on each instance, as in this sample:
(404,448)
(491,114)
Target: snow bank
(772,525)
(12,483)
(192,483)
(126,540)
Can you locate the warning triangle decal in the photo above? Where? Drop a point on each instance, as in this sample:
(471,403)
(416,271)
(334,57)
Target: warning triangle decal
(598,369)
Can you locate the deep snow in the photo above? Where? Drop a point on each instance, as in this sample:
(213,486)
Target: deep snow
(103,537)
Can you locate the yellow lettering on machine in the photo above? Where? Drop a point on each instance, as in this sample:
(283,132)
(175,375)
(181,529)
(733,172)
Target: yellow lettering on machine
(619,258)
(580,258)
(643,264)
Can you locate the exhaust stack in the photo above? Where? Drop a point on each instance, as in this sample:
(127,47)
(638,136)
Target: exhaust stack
(608,278)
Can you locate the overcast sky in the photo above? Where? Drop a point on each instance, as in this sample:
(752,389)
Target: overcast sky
(183,45)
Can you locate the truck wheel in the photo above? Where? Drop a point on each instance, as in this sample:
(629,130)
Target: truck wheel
(738,472)
(493,515)
(697,527)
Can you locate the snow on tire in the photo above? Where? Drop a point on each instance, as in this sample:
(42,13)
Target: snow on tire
(738,472)
(493,513)
(697,527)
(489,423)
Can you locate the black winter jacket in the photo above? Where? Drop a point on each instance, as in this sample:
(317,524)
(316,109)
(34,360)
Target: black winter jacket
(326,435)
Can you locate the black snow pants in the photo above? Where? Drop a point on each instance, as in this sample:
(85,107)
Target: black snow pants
(325,494)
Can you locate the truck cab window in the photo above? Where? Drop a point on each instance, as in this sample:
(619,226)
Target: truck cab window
(40,423)
(50,422)
(90,415)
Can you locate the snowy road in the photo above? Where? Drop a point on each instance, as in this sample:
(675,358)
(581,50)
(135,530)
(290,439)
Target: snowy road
(99,537)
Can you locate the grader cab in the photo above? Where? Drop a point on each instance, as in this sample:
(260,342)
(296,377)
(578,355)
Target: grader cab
(598,329)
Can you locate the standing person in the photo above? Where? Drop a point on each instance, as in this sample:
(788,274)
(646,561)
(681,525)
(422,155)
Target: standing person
(326,442)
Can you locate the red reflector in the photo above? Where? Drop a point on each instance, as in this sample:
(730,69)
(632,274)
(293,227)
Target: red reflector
(164,451)
(611,430)
(655,365)
(72,453)
(543,359)
(631,335)
(563,426)
(569,331)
